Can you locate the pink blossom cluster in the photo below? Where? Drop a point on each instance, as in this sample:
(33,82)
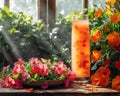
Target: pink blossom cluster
(38,67)
(11,83)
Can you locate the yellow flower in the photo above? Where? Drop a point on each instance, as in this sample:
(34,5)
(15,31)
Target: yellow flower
(108,11)
(115,18)
(98,13)
(110,2)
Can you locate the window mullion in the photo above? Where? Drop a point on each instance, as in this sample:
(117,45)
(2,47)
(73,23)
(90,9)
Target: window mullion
(7,3)
(85,3)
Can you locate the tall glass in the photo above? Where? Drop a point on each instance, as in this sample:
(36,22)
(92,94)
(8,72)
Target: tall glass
(81,47)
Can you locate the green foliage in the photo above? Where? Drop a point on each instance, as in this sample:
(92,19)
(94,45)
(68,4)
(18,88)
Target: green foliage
(109,52)
(17,30)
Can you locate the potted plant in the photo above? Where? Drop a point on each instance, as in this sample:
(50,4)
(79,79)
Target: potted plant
(36,72)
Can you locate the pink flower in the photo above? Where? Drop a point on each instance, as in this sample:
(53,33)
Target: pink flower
(60,68)
(19,62)
(37,67)
(41,69)
(16,84)
(34,61)
(18,69)
(5,83)
(71,75)
(11,83)
(67,83)
(25,76)
(44,85)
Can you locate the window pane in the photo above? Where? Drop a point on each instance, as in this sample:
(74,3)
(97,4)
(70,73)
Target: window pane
(1,3)
(68,6)
(27,6)
(99,3)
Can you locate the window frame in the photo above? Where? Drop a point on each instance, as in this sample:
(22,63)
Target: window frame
(42,9)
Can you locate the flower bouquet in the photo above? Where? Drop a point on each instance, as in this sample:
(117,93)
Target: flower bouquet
(36,72)
(105,44)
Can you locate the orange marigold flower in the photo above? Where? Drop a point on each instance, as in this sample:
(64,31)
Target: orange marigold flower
(96,35)
(98,13)
(95,78)
(116,83)
(110,2)
(104,71)
(115,18)
(104,80)
(113,39)
(117,64)
(99,79)
(96,55)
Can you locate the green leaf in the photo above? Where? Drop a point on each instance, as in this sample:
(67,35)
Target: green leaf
(62,77)
(12,30)
(6,9)
(1,15)
(15,76)
(36,76)
(95,66)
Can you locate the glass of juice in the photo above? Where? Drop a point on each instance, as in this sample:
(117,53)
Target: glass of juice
(80,48)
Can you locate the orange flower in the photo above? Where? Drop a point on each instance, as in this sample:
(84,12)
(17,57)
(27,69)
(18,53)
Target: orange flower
(95,78)
(104,71)
(110,2)
(113,39)
(96,35)
(104,80)
(116,83)
(115,18)
(96,55)
(101,77)
(98,13)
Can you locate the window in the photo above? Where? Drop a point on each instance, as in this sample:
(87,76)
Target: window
(38,8)
(67,6)
(2,3)
(27,6)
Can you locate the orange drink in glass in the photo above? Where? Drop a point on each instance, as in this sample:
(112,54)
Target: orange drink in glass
(81,47)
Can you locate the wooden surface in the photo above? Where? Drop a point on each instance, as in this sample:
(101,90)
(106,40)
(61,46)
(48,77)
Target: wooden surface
(75,90)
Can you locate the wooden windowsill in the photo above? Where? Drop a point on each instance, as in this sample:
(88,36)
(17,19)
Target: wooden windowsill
(75,90)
